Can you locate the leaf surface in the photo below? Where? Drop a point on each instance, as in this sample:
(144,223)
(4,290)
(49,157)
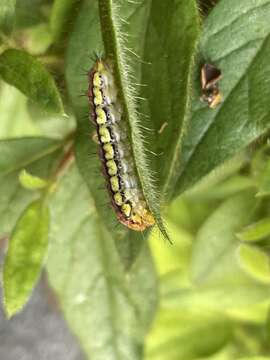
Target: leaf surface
(214,251)
(18,153)
(29,76)
(177,335)
(255,262)
(87,274)
(256,231)
(7,12)
(216,135)
(170,45)
(37,156)
(25,256)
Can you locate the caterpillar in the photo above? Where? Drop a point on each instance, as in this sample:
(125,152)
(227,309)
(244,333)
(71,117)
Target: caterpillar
(118,165)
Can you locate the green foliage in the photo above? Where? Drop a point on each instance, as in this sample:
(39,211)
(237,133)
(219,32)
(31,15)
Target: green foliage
(7,12)
(182,338)
(255,262)
(61,14)
(167,74)
(256,231)
(31,182)
(38,160)
(27,247)
(209,289)
(255,358)
(18,153)
(24,72)
(213,252)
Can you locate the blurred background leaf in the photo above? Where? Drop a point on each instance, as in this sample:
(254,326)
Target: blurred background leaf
(61,15)
(29,76)
(18,153)
(255,262)
(256,231)
(25,256)
(212,257)
(36,155)
(7,12)
(181,335)
(32,182)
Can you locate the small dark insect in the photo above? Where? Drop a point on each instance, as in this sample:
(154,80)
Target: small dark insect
(210,76)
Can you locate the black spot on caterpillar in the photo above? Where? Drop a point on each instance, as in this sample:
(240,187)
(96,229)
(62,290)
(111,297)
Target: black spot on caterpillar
(115,150)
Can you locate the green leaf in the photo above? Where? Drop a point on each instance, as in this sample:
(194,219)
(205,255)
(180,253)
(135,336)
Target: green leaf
(219,283)
(232,186)
(214,251)
(29,123)
(216,135)
(39,156)
(219,296)
(170,44)
(37,39)
(29,76)
(31,182)
(254,314)
(61,13)
(255,262)
(12,103)
(221,182)
(25,256)
(18,153)
(30,13)
(264,180)
(171,258)
(177,335)
(256,231)
(7,12)
(254,358)
(84,41)
(224,287)
(86,272)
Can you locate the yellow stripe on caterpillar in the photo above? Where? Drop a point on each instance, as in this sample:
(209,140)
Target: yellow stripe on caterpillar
(98,99)
(126,209)
(109,151)
(97,80)
(112,167)
(105,136)
(118,199)
(100,116)
(114,183)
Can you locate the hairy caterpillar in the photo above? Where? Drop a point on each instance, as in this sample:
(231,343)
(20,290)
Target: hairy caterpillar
(115,150)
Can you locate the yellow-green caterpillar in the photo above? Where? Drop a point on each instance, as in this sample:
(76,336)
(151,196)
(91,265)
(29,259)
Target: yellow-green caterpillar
(115,150)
